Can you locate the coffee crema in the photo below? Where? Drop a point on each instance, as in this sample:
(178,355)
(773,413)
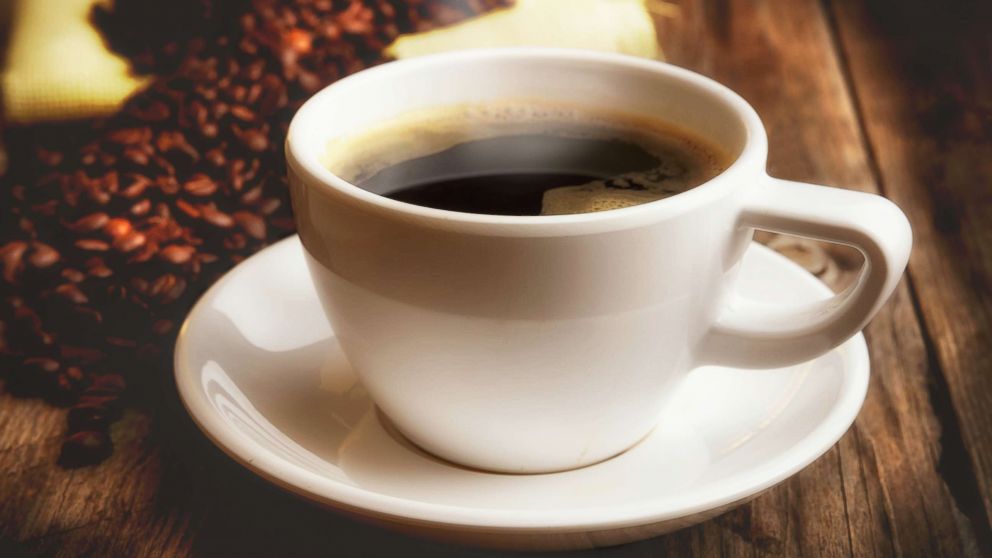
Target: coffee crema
(524,157)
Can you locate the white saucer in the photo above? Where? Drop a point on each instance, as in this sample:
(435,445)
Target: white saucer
(261,373)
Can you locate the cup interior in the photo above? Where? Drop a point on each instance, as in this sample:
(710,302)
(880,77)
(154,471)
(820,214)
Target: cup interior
(639,87)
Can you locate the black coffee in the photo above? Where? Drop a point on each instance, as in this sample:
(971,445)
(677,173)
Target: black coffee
(516,160)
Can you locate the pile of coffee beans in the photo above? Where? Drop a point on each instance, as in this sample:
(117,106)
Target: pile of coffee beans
(110,230)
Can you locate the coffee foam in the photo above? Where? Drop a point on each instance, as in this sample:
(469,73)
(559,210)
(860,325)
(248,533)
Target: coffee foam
(429,131)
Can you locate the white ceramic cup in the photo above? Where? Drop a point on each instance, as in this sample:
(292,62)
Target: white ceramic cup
(531,344)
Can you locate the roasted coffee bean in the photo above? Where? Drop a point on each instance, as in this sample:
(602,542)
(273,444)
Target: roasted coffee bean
(12,255)
(269,206)
(130,241)
(73,275)
(71,292)
(252,224)
(168,185)
(92,244)
(187,208)
(243,113)
(251,138)
(251,196)
(43,255)
(200,185)
(100,271)
(136,156)
(141,207)
(118,225)
(170,141)
(215,217)
(136,187)
(130,136)
(177,254)
(91,222)
(216,157)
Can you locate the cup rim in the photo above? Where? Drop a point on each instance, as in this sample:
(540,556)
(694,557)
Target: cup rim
(315,175)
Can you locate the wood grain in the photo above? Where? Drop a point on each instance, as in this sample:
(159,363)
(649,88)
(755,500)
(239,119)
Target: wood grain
(896,484)
(884,479)
(922,75)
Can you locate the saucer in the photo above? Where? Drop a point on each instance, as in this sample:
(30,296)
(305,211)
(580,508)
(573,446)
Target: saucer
(261,373)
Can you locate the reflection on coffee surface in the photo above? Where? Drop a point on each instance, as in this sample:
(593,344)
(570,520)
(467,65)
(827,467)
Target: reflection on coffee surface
(524,158)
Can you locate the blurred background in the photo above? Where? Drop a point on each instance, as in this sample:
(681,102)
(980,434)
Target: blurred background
(141,159)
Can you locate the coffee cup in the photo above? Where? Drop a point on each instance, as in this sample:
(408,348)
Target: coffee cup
(527,344)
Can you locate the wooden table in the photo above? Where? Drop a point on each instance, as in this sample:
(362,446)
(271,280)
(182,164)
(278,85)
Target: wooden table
(886,96)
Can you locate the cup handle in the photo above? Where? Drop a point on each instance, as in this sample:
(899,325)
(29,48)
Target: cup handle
(749,334)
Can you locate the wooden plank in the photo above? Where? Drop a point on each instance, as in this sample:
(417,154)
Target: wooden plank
(884,475)
(923,80)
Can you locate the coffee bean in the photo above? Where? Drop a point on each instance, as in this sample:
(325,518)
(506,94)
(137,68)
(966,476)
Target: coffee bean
(251,138)
(162,284)
(144,254)
(243,113)
(12,255)
(299,40)
(141,207)
(269,206)
(273,94)
(92,244)
(118,227)
(71,292)
(136,187)
(73,275)
(43,255)
(130,241)
(168,185)
(215,217)
(130,136)
(173,141)
(251,196)
(100,271)
(177,254)
(208,129)
(216,157)
(200,185)
(113,258)
(187,208)
(90,223)
(252,224)
(136,156)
